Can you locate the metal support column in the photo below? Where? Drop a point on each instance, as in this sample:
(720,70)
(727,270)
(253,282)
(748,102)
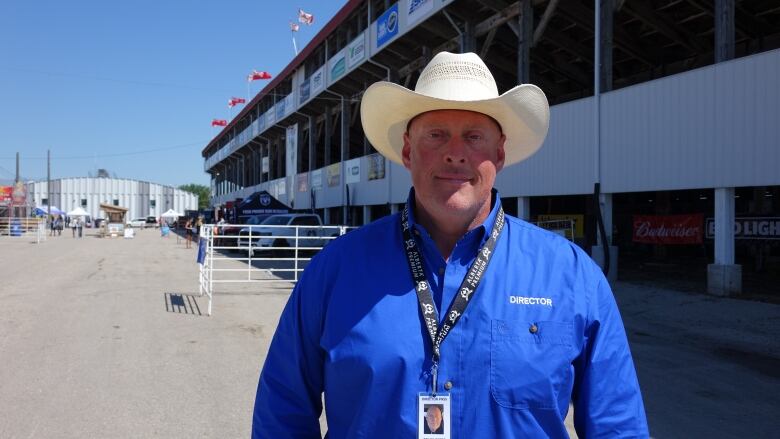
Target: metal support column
(724,277)
(605,39)
(724,30)
(524,42)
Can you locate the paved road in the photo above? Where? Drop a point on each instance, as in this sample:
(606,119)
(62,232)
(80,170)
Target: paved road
(108,338)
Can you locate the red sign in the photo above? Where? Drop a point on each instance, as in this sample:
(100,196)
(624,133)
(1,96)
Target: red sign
(5,195)
(668,229)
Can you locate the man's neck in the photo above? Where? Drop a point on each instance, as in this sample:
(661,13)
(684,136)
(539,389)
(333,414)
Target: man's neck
(446,230)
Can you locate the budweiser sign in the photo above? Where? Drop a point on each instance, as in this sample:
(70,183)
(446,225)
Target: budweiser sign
(668,229)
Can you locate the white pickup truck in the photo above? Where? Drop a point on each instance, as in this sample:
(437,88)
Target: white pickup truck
(285,231)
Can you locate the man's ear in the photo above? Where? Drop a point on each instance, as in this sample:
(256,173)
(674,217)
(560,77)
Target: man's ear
(500,153)
(406,152)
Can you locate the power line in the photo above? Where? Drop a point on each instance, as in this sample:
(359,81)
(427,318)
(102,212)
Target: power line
(120,154)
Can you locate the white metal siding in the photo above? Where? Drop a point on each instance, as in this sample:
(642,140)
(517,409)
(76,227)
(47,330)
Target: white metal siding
(713,127)
(564,164)
(106,190)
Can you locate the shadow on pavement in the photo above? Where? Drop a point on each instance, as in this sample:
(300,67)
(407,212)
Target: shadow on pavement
(181,304)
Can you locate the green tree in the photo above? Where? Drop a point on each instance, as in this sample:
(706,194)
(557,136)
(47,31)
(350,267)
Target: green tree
(201,191)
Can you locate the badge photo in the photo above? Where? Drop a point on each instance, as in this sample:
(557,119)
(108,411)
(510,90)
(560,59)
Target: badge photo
(433,419)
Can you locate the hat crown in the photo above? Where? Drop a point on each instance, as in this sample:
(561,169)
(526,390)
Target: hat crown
(457,77)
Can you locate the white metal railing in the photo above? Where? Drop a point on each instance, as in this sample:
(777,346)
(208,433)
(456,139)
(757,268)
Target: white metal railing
(23,227)
(241,253)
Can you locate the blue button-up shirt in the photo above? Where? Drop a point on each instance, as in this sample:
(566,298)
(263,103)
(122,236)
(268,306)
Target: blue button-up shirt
(542,329)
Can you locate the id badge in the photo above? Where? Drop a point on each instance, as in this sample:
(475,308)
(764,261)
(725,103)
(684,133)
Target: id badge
(433,416)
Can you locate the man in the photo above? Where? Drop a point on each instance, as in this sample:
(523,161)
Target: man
(451,301)
(433,420)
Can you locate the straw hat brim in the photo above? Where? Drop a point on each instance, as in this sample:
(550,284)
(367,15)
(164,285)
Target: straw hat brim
(522,112)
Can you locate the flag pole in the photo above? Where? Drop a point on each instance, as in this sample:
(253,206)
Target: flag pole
(295,46)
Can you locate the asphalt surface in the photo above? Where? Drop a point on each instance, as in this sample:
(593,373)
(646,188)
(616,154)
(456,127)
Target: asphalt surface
(108,338)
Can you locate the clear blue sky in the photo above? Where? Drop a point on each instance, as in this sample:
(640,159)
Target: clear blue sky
(100,82)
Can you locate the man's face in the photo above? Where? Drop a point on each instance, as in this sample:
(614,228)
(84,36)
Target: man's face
(433,418)
(453,157)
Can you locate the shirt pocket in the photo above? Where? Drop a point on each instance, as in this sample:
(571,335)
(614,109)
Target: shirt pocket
(529,362)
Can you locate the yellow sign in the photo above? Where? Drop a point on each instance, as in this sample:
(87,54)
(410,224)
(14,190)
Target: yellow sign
(579,221)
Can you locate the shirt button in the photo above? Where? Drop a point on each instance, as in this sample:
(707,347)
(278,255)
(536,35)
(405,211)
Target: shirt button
(533,329)
(448,385)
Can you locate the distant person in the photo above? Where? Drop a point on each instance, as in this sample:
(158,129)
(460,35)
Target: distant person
(73,226)
(52,226)
(80,226)
(433,420)
(188,231)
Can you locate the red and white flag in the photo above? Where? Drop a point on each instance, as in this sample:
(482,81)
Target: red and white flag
(294,26)
(305,18)
(255,75)
(235,101)
(218,122)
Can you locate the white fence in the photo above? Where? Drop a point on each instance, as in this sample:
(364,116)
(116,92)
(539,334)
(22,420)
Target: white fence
(18,227)
(266,253)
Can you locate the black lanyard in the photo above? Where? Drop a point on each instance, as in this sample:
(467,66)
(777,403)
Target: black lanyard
(465,291)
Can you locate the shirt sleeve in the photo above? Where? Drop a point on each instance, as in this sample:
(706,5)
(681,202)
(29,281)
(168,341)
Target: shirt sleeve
(289,395)
(607,399)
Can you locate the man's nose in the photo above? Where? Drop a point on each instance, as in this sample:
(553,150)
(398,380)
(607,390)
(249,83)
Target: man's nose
(455,151)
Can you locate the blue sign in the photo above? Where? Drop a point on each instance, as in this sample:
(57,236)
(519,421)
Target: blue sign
(387,26)
(280,110)
(304,92)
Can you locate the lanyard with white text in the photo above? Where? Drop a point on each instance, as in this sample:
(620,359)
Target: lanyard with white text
(465,291)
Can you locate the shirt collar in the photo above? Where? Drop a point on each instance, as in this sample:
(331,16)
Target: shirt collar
(482,230)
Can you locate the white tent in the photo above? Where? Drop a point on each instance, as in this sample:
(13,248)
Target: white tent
(171,214)
(78,212)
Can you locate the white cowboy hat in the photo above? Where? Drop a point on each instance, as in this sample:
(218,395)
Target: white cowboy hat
(455,82)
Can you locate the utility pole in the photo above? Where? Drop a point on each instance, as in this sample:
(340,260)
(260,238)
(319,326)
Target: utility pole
(48,184)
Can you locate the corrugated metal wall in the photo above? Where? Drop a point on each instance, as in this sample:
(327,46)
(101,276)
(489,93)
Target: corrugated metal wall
(718,126)
(67,193)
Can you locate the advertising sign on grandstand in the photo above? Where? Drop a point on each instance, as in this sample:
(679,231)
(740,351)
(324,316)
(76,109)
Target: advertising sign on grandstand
(304,91)
(280,109)
(318,81)
(292,149)
(417,9)
(270,117)
(316,179)
(302,182)
(376,167)
(750,228)
(334,174)
(668,229)
(356,51)
(352,168)
(260,123)
(265,165)
(387,26)
(289,104)
(337,65)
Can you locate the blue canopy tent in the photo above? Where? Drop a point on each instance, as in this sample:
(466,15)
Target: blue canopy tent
(43,211)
